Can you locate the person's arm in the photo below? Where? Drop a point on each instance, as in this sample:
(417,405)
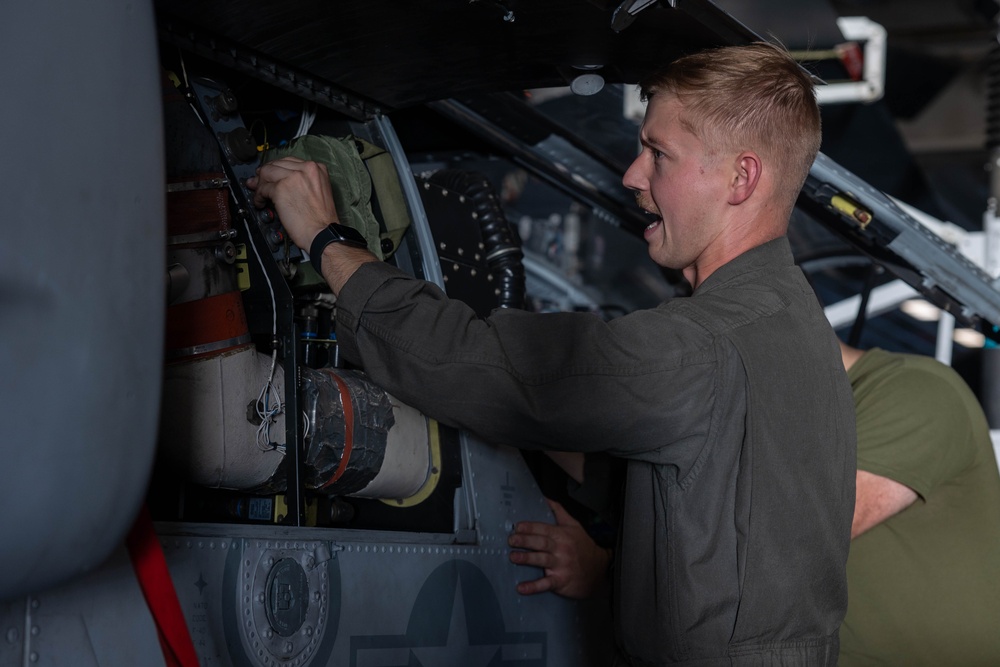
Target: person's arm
(303,200)
(572,463)
(574,565)
(877,499)
(514,376)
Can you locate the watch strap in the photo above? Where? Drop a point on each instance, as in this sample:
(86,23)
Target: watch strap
(333,233)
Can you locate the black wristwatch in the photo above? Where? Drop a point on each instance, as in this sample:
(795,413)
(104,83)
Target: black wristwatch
(333,233)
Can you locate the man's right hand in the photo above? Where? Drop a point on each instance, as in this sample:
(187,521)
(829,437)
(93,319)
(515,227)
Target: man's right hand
(303,200)
(301,195)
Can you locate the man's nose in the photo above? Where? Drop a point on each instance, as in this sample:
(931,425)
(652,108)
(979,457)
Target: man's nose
(634,178)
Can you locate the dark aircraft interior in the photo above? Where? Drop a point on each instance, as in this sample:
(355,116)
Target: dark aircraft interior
(485,110)
(539,188)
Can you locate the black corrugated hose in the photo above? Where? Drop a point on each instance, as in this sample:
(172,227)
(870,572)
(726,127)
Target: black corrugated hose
(500,240)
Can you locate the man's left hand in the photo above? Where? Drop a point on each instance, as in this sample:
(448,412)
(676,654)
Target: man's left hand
(574,565)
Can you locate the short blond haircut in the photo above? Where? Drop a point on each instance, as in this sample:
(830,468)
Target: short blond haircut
(752,97)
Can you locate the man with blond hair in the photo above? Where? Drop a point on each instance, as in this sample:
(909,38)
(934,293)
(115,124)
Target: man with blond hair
(730,406)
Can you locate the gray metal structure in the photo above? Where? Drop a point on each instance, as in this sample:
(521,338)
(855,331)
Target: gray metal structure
(379,598)
(81,283)
(875,224)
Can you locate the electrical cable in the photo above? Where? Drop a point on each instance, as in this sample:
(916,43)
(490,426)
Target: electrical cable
(306,120)
(267,415)
(265,411)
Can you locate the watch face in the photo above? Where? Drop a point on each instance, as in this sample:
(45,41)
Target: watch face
(349,233)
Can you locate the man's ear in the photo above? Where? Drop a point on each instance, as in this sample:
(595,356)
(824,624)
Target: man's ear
(745,177)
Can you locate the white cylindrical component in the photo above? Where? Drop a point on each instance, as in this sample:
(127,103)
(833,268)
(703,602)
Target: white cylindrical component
(407,459)
(991,225)
(361,441)
(209,439)
(204,429)
(944,346)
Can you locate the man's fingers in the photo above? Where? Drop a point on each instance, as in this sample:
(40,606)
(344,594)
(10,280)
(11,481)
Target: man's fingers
(261,191)
(534,587)
(301,194)
(270,174)
(287,165)
(533,528)
(542,559)
(528,541)
(289,161)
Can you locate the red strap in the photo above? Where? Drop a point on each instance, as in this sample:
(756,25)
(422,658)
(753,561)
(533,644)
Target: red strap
(345,399)
(154,578)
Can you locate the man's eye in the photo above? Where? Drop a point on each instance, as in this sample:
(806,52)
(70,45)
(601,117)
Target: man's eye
(656,154)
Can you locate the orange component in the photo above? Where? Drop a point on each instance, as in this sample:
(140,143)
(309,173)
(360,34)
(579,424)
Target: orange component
(197,211)
(345,399)
(208,326)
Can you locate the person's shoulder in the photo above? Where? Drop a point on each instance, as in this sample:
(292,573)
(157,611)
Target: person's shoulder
(884,368)
(922,384)
(733,304)
(679,321)
(921,411)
